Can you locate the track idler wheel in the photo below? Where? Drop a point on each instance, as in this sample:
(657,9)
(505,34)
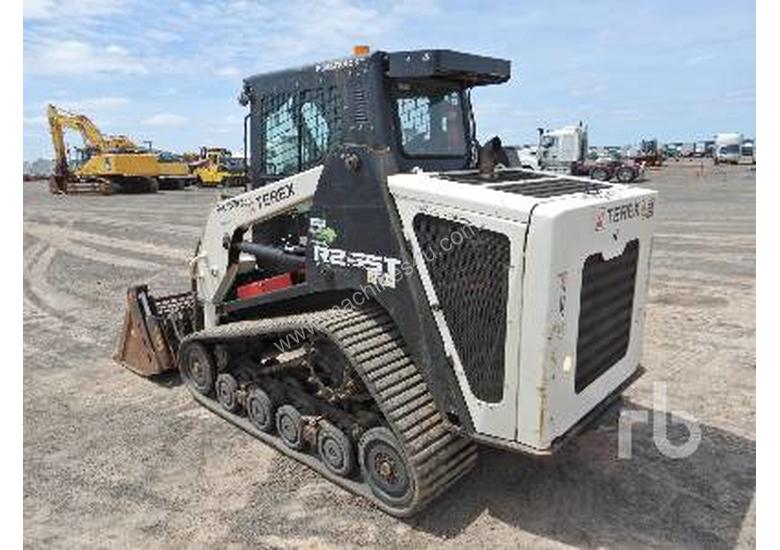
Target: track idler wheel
(384,467)
(197,368)
(261,409)
(226,392)
(289,424)
(335,449)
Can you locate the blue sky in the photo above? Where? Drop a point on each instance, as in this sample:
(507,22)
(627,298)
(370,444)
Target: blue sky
(170,71)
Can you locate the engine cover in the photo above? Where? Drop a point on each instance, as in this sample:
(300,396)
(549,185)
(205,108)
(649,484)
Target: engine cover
(538,285)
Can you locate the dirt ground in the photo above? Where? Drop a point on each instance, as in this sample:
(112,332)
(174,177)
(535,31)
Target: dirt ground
(111,459)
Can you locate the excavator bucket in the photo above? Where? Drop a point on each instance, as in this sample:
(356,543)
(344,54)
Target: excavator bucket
(153,329)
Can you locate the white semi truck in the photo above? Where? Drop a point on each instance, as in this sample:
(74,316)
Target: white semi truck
(565,151)
(728,148)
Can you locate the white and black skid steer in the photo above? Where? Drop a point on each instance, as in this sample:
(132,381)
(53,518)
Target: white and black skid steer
(387,296)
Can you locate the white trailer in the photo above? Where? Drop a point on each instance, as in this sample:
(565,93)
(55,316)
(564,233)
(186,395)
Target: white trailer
(748,152)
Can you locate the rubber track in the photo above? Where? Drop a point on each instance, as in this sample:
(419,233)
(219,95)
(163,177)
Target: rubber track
(369,340)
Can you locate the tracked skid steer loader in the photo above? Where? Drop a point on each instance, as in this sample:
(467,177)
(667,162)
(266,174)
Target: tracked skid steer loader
(388,295)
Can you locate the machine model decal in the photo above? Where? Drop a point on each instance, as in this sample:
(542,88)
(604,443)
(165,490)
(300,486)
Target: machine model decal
(235,202)
(380,270)
(263,200)
(644,209)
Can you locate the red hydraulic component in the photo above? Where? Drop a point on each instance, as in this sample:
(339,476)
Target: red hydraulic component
(255,288)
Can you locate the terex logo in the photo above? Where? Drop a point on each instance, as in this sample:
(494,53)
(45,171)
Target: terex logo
(644,209)
(269,198)
(258,200)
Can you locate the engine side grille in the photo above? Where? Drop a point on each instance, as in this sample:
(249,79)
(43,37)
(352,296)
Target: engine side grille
(606,305)
(471,282)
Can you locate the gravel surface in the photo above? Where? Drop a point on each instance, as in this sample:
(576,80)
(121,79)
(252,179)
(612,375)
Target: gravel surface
(111,459)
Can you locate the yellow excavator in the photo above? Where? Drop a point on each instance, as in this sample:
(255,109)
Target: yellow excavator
(107,163)
(174,171)
(217,167)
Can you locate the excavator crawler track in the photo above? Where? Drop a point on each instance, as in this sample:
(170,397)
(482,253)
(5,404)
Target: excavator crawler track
(435,456)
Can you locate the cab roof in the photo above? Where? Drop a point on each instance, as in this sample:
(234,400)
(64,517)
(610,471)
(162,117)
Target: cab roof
(474,70)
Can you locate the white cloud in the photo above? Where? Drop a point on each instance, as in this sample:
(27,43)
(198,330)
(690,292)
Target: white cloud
(588,90)
(103,36)
(35,120)
(92,103)
(165,119)
(699,59)
(70,9)
(117,50)
(74,57)
(228,71)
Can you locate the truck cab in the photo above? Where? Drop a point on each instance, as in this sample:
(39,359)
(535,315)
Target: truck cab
(561,150)
(748,152)
(728,148)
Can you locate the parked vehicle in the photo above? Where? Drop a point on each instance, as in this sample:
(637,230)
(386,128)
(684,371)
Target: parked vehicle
(565,151)
(748,152)
(329,316)
(522,157)
(728,148)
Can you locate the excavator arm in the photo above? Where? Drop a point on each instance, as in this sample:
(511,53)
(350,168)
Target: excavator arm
(58,141)
(90,133)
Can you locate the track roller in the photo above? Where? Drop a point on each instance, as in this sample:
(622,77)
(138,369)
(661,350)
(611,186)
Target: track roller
(289,424)
(260,409)
(227,386)
(335,449)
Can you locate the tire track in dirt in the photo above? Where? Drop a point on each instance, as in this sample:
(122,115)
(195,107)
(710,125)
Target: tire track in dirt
(63,216)
(37,289)
(77,243)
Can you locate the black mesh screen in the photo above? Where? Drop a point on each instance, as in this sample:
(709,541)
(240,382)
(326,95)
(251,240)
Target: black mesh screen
(606,305)
(468,267)
(549,186)
(501,176)
(299,129)
(553,188)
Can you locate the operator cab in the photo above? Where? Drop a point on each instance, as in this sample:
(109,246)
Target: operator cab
(415,105)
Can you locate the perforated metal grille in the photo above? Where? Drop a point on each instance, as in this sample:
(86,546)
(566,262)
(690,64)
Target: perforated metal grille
(299,129)
(547,186)
(415,116)
(432,124)
(281,135)
(553,188)
(606,306)
(502,176)
(360,111)
(469,271)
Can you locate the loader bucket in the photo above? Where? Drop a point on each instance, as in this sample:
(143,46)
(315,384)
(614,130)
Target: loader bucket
(153,329)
